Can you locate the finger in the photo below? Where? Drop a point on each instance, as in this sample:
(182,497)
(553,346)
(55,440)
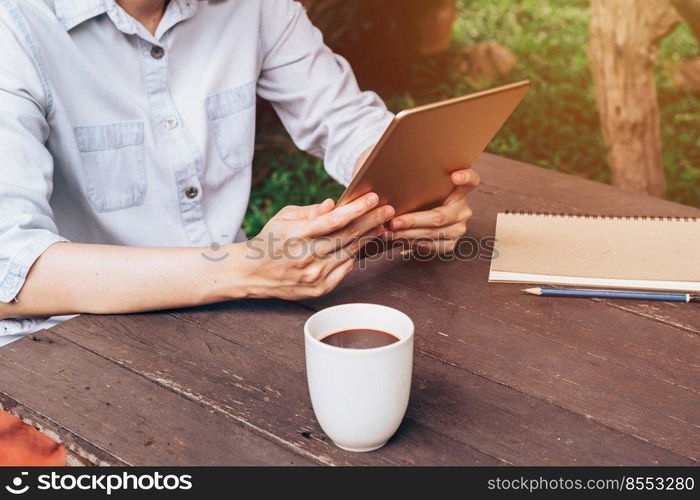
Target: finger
(331,280)
(341,216)
(456,230)
(465,181)
(367,223)
(458,199)
(458,194)
(308,211)
(355,249)
(467,177)
(323,208)
(351,250)
(437,217)
(337,275)
(313,211)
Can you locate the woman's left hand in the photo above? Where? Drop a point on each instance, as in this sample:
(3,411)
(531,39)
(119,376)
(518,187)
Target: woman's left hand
(439,229)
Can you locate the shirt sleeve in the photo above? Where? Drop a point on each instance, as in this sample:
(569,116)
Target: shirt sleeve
(314,91)
(27,228)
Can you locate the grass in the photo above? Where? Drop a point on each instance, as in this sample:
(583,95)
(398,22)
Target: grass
(556,126)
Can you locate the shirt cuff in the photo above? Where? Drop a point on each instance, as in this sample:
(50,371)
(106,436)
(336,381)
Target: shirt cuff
(344,174)
(14,329)
(20,326)
(20,264)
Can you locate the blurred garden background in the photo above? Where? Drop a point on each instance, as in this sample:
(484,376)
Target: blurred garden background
(417,51)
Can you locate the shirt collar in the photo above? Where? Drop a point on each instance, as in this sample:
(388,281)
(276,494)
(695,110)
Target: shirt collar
(71,13)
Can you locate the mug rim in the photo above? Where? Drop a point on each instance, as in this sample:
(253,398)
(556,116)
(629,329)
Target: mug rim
(359,352)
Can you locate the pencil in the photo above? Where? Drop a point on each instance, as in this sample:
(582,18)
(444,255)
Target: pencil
(612,294)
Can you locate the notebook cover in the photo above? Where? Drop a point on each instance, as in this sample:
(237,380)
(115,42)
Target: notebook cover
(616,252)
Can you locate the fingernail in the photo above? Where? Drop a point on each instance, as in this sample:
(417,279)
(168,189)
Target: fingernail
(389,212)
(396,224)
(372,200)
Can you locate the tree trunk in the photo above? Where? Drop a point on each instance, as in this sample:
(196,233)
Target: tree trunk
(624,45)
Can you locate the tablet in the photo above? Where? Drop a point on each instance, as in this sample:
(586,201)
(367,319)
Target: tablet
(410,166)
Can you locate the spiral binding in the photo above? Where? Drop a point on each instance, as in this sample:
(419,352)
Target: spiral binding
(573,215)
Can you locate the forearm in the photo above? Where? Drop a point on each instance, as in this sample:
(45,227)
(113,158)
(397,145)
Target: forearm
(104,279)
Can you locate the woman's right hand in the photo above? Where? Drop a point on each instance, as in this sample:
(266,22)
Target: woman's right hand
(304,252)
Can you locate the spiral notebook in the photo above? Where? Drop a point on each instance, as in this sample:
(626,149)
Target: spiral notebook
(652,253)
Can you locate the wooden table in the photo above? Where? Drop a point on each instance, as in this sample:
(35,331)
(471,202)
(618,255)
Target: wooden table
(499,377)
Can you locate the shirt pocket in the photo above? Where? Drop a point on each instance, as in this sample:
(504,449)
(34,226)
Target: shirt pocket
(113,164)
(232,125)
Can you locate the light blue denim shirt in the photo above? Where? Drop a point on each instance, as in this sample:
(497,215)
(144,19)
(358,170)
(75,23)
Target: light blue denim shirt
(109,134)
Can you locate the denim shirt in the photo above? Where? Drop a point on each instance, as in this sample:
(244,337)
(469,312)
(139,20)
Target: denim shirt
(109,134)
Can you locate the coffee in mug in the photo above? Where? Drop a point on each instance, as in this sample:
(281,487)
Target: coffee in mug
(360,338)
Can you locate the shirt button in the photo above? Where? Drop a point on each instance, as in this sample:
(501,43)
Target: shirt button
(157,52)
(170,122)
(191,192)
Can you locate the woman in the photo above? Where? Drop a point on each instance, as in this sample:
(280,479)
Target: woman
(126,139)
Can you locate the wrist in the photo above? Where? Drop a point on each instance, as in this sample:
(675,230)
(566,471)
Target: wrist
(228,275)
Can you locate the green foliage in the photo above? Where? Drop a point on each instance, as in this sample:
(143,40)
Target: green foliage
(680,121)
(557,124)
(297,179)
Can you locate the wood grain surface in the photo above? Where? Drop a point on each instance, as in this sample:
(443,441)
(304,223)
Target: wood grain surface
(499,377)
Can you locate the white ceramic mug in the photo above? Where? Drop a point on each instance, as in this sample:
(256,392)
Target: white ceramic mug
(359,395)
